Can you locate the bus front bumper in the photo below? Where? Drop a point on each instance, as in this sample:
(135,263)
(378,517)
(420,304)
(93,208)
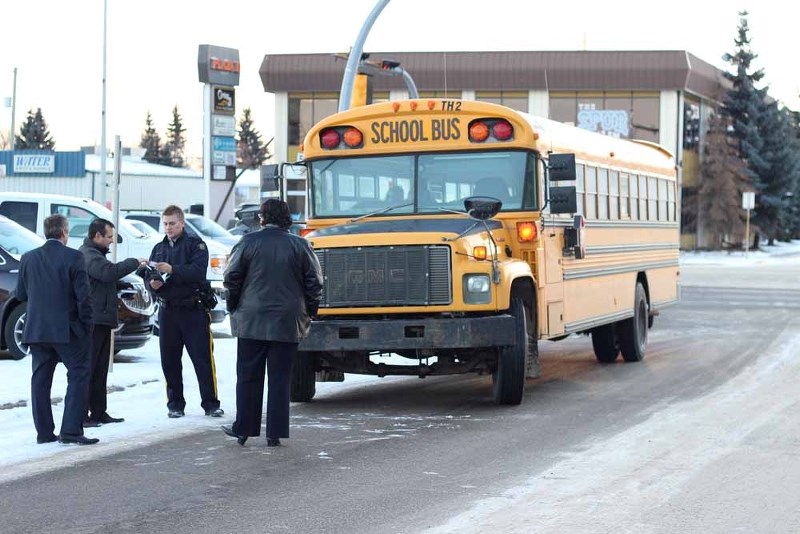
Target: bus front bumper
(404,334)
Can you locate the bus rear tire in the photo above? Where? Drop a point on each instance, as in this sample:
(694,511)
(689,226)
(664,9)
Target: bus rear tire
(508,379)
(604,342)
(304,376)
(632,333)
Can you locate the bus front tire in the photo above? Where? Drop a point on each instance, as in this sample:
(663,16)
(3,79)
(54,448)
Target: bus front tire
(304,376)
(508,379)
(604,342)
(632,333)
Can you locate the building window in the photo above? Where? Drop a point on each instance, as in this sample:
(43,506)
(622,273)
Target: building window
(517,100)
(440,94)
(626,114)
(307,109)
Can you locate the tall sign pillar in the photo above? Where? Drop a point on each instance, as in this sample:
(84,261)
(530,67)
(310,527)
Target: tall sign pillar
(218,69)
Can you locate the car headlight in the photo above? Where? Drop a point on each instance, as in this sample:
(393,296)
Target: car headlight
(477,289)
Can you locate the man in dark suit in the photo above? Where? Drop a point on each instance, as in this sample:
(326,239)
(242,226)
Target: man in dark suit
(274,284)
(58,326)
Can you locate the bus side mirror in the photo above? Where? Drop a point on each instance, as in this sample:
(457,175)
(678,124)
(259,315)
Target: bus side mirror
(270,177)
(561,167)
(563,200)
(574,238)
(482,208)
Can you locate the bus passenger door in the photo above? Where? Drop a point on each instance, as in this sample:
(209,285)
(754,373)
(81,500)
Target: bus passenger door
(551,279)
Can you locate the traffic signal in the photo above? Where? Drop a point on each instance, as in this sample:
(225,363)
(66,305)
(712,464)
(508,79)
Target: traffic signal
(691,126)
(389,64)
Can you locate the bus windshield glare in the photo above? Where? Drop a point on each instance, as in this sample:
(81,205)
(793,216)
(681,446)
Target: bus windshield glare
(422,183)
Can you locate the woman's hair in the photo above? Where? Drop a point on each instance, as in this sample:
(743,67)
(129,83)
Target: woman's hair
(275,211)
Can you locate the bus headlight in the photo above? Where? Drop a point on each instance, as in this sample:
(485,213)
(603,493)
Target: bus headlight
(477,289)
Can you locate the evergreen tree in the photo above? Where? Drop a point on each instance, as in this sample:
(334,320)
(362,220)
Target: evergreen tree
(33,134)
(151,142)
(778,171)
(743,102)
(172,152)
(723,178)
(250,149)
(762,131)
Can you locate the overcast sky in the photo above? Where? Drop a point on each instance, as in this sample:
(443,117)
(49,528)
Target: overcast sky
(152,47)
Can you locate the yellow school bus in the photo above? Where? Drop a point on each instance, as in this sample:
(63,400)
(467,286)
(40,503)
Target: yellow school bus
(453,235)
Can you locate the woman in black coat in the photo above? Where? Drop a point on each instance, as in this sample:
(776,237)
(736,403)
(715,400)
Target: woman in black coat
(274,284)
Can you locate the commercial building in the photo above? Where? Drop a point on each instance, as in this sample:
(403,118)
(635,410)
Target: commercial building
(143,185)
(659,96)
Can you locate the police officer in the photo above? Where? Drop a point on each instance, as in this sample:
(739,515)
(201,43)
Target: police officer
(178,280)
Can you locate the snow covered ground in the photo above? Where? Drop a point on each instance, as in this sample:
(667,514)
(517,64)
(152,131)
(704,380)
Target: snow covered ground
(139,393)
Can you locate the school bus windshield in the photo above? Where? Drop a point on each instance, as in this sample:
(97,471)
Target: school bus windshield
(421,183)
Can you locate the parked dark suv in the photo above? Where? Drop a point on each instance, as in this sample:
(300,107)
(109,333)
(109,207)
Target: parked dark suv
(134,303)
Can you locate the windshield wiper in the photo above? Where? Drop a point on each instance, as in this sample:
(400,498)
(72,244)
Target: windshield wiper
(382,211)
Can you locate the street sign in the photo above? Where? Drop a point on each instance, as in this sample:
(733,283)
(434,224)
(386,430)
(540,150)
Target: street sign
(748,200)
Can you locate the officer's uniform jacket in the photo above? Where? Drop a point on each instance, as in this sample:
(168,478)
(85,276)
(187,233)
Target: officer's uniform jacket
(189,259)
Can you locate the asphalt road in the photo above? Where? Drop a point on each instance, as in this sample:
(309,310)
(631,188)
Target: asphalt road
(408,455)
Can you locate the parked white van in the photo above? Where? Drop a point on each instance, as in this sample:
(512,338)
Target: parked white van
(30,210)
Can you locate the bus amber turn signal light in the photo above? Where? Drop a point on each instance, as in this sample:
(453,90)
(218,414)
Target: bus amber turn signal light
(478,131)
(353,137)
(479,252)
(526,231)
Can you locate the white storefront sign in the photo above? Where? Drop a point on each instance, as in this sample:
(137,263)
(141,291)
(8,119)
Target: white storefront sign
(224,125)
(34,163)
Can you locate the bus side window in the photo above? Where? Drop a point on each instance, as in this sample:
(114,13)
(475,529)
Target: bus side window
(591,192)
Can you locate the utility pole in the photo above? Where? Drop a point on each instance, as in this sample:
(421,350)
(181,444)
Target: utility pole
(13,108)
(103,112)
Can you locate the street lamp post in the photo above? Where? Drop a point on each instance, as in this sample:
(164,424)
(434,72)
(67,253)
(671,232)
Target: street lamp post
(13,108)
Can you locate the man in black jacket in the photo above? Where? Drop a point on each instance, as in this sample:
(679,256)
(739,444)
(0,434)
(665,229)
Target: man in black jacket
(274,284)
(103,277)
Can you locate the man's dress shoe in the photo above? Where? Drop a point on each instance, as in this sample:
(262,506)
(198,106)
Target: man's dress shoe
(91,423)
(80,440)
(105,419)
(273,442)
(46,439)
(215,412)
(174,414)
(229,431)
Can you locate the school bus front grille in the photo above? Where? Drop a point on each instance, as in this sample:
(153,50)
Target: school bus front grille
(414,275)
